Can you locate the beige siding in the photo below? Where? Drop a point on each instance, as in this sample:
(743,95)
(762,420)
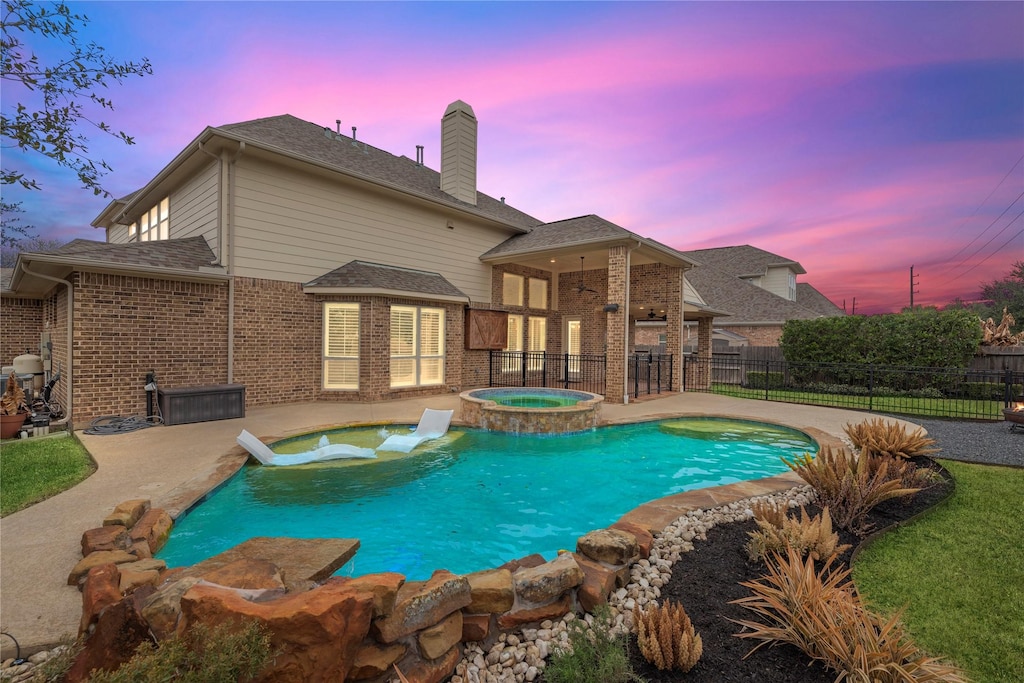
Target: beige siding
(294,227)
(117,234)
(776,281)
(193,208)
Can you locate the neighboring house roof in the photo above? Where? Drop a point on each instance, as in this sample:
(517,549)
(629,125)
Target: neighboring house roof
(576,232)
(808,297)
(748,303)
(5,278)
(744,260)
(313,143)
(360,277)
(188,257)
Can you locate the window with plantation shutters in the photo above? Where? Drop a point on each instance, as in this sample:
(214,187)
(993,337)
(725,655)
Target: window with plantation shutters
(341,346)
(538,341)
(512,362)
(417,346)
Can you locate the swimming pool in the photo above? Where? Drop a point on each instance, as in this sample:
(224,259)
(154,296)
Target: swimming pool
(531,410)
(475,499)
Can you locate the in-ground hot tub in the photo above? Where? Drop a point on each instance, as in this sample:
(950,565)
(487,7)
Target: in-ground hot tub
(529,410)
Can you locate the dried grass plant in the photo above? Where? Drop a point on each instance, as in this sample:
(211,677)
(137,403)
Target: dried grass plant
(849,486)
(666,637)
(820,613)
(808,535)
(879,437)
(13,400)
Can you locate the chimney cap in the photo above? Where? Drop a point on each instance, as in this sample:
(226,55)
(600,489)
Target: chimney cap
(459,105)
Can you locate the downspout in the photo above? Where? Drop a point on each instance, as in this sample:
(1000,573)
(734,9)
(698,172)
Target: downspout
(71,317)
(230,251)
(222,248)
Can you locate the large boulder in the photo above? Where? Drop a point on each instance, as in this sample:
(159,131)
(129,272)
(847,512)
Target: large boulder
(611,546)
(529,615)
(383,586)
(434,670)
(374,660)
(491,591)
(316,633)
(543,584)
(126,514)
(153,527)
(119,630)
(421,604)
(80,570)
(162,610)
(100,590)
(644,537)
(436,640)
(109,537)
(598,583)
(247,573)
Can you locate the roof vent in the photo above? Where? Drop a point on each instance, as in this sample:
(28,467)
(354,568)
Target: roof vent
(337,122)
(419,155)
(353,136)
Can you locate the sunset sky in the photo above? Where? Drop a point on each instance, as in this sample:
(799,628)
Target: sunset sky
(859,139)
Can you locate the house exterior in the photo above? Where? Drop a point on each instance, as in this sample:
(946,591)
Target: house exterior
(760,291)
(308,265)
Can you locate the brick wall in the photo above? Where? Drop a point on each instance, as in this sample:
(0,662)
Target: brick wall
(277,341)
(126,326)
(21,322)
(55,321)
(759,335)
(587,306)
(617,321)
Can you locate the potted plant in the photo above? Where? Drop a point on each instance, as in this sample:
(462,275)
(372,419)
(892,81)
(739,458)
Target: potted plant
(13,409)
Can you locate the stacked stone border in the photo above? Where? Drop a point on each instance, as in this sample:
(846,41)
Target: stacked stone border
(495,625)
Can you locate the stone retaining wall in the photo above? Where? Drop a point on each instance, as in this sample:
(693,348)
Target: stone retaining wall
(328,628)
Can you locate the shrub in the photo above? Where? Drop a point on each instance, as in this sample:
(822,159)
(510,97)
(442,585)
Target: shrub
(879,437)
(986,391)
(820,613)
(593,655)
(762,380)
(666,637)
(225,653)
(807,536)
(847,485)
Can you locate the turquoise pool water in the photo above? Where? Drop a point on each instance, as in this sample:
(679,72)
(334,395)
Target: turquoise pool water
(475,499)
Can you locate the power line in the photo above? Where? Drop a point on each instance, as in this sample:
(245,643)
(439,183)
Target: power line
(996,220)
(1005,227)
(1000,184)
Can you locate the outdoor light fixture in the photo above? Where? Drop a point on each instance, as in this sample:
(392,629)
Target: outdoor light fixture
(611,308)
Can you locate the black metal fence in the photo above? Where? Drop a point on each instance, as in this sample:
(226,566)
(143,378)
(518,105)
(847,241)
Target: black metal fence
(585,372)
(648,373)
(934,392)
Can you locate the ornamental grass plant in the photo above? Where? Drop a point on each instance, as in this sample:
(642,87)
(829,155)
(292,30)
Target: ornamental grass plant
(666,636)
(882,437)
(809,535)
(819,611)
(849,486)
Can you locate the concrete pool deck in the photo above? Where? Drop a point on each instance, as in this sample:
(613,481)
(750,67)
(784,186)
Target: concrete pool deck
(171,466)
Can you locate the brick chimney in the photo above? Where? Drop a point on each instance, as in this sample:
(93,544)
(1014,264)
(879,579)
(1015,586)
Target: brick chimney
(458,152)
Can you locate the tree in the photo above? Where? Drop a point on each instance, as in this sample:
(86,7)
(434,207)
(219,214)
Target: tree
(12,230)
(52,126)
(1006,292)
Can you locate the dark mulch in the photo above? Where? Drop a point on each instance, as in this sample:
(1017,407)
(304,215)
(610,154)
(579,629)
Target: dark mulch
(708,577)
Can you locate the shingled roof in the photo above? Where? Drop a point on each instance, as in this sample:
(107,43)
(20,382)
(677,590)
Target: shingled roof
(747,302)
(376,277)
(190,253)
(743,260)
(808,297)
(292,135)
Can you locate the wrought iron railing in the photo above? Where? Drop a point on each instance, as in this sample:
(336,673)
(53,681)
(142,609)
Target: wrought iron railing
(647,373)
(927,392)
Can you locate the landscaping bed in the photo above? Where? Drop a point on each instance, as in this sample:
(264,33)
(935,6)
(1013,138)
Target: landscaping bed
(707,578)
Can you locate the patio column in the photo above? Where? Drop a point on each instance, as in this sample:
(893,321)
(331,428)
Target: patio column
(701,378)
(615,342)
(674,327)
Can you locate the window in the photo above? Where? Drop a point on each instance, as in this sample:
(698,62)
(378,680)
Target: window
(512,362)
(512,289)
(538,341)
(152,225)
(538,293)
(417,346)
(792,286)
(341,346)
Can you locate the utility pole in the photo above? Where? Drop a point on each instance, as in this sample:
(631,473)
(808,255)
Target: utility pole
(913,283)
(854,311)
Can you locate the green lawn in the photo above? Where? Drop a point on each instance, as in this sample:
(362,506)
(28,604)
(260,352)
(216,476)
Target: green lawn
(897,405)
(960,570)
(34,469)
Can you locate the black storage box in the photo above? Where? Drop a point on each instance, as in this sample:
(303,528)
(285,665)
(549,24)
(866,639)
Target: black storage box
(182,405)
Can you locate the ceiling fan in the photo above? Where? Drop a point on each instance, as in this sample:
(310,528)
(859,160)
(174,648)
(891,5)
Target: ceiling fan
(582,286)
(651,315)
